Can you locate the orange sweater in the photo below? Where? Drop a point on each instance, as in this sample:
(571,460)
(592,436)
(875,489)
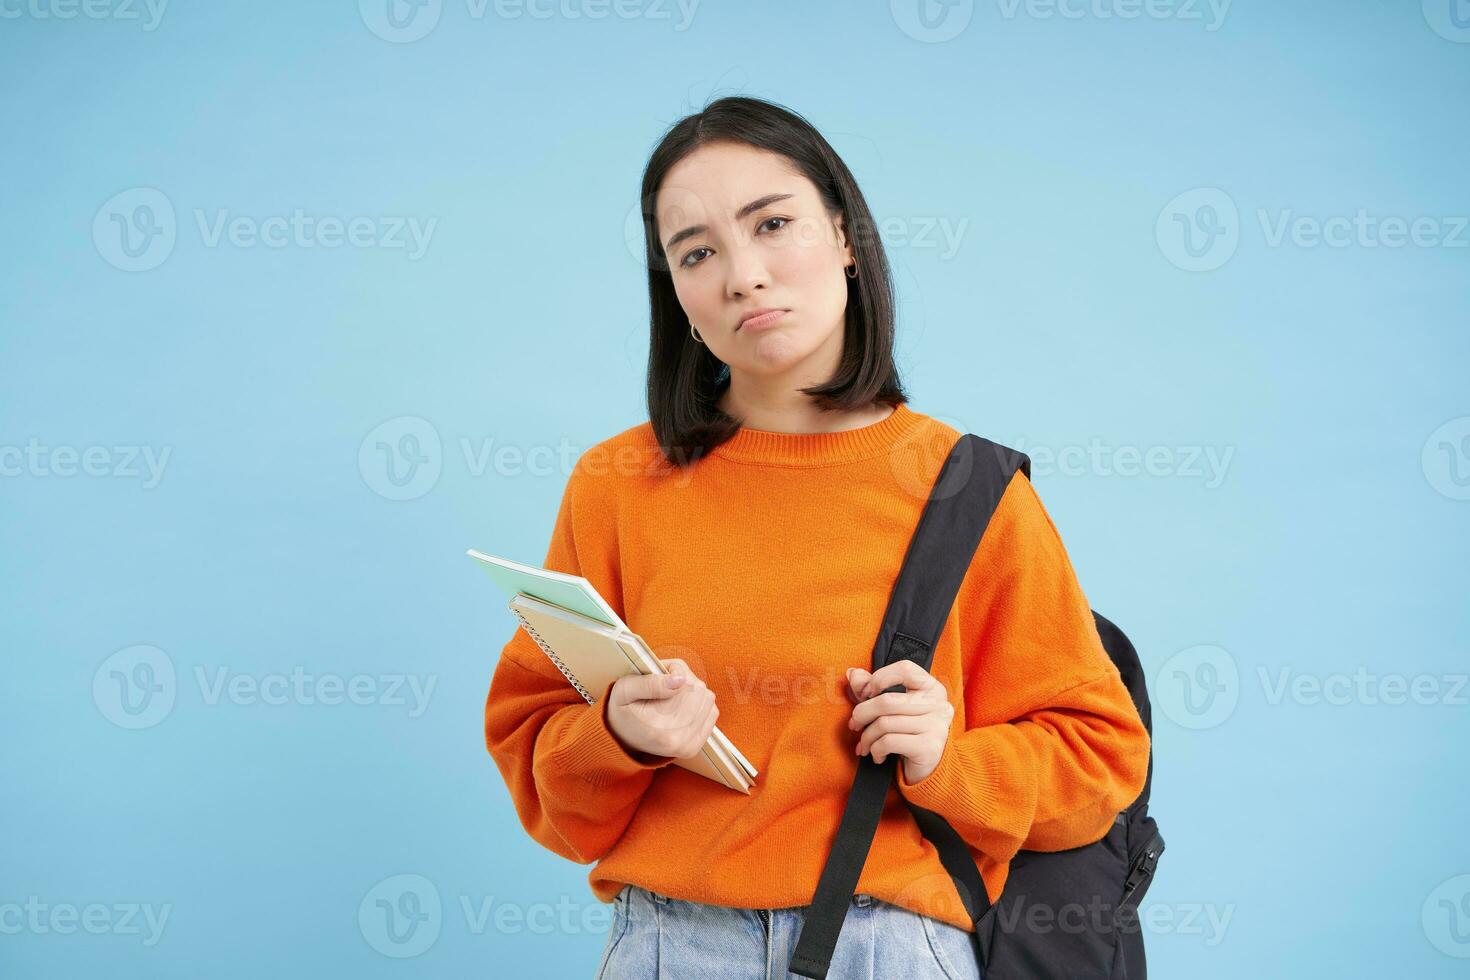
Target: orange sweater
(768,569)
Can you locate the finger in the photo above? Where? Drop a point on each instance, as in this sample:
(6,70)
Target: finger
(901,672)
(705,729)
(896,744)
(677,665)
(688,707)
(856,678)
(892,703)
(685,712)
(642,687)
(888,725)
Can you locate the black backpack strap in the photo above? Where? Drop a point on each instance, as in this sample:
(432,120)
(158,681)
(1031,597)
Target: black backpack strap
(961,502)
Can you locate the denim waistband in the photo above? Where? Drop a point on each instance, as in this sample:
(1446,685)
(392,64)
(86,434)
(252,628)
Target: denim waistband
(860,900)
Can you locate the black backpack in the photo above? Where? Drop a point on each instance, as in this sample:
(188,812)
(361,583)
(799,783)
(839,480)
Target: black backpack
(1071,915)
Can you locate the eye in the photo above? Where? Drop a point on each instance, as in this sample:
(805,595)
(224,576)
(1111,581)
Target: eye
(686,263)
(689,260)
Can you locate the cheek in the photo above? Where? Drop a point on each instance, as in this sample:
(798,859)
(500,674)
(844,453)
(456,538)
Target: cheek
(812,276)
(697,296)
(804,258)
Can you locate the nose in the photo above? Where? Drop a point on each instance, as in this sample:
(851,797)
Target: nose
(745,273)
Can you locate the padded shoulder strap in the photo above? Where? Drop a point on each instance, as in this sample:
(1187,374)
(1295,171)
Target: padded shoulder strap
(964,496)
(961,502)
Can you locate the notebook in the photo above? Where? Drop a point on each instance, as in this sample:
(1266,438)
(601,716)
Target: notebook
(589,643)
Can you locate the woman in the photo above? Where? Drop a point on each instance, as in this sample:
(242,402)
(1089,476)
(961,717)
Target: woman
(750,532)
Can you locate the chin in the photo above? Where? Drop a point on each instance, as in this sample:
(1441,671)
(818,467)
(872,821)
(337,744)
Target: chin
(775,354)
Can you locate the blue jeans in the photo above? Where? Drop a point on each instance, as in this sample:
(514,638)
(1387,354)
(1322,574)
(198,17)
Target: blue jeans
(654,937)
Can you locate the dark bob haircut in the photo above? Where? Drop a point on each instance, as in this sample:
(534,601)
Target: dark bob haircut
(686,380)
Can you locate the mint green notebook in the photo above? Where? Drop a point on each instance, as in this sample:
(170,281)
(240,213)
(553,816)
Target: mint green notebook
(577,594)
(568,591)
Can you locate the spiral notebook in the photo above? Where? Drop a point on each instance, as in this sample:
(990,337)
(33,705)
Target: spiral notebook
(591,646)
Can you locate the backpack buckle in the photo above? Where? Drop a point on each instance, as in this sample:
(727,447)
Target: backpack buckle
(1143,868)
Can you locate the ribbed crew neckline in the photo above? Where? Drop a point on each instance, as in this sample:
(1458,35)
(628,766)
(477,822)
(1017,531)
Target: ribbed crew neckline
(761,446)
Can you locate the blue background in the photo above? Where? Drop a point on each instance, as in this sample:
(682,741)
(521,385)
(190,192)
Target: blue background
(1328,838)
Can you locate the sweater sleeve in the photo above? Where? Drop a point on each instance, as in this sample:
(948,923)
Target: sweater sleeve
(1052,746)
(574,785)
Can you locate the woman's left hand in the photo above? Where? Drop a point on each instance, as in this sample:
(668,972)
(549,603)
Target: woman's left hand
(913,723)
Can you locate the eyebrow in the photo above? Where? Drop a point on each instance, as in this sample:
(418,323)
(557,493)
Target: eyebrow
(745,212)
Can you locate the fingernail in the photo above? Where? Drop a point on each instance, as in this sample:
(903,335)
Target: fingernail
(674,680)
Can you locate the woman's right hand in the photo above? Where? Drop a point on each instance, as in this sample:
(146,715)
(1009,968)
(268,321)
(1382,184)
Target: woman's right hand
(662,714)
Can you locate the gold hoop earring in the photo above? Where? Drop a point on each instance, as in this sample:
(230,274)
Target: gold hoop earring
(694,335)
(852,271)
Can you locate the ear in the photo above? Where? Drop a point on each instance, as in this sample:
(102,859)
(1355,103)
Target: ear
(840,220)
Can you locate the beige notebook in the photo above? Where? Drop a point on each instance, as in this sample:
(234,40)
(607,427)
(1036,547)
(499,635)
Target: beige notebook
(592,655)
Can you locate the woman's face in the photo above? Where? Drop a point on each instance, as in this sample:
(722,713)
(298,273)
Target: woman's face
(743,231)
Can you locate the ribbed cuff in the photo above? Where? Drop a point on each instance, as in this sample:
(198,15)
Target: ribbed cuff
(963,787)
(591,750)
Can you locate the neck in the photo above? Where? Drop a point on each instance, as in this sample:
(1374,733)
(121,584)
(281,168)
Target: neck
(780,407)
